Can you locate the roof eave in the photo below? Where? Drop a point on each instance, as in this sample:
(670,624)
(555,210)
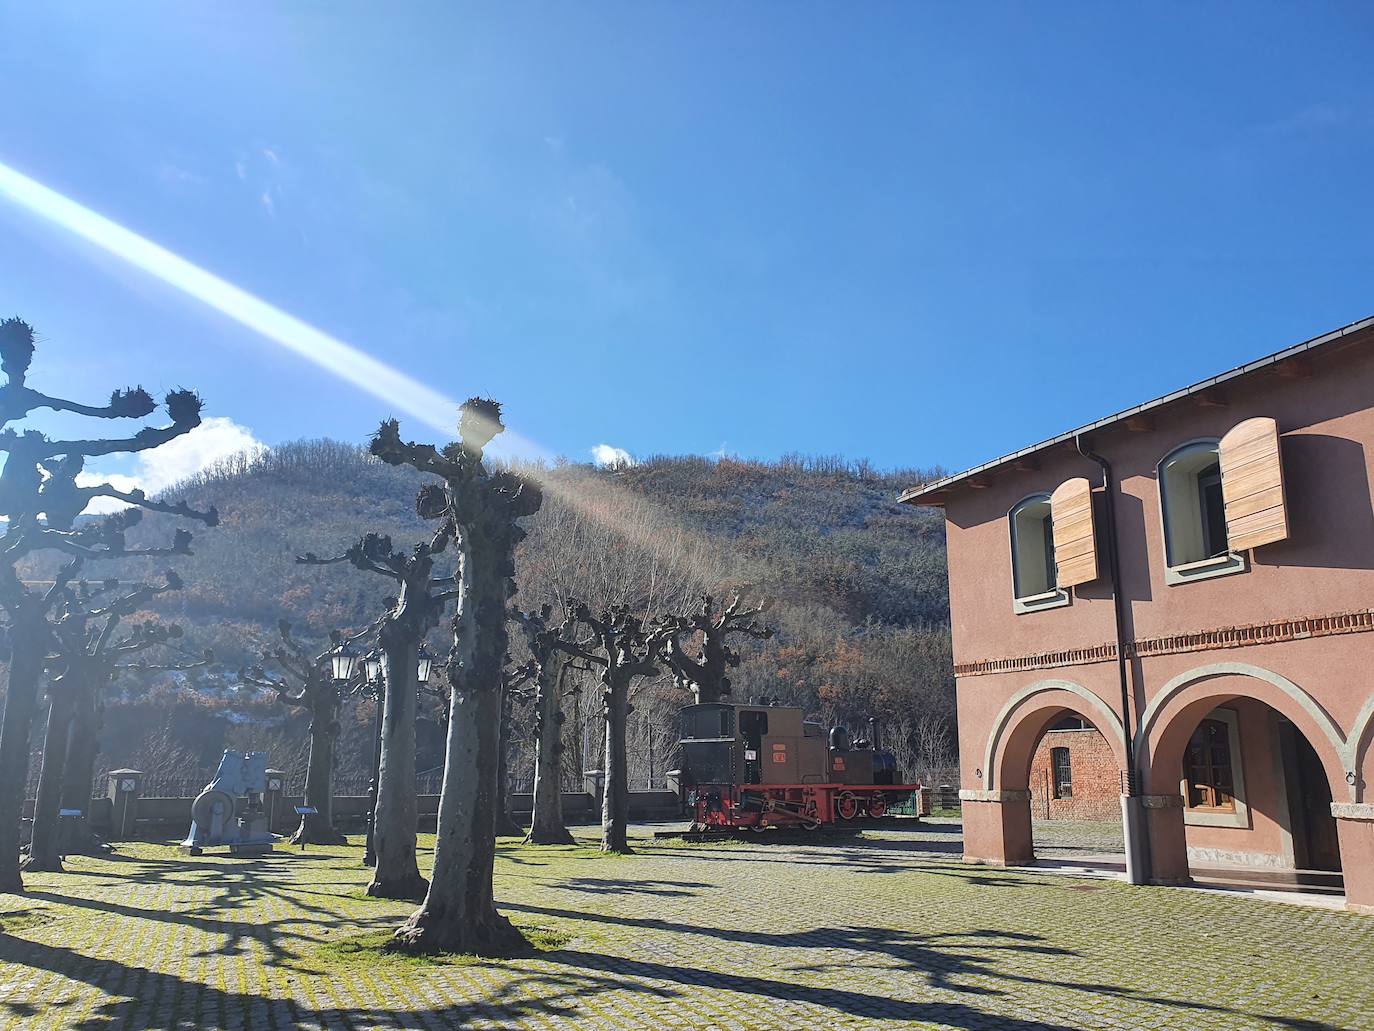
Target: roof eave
(933,494)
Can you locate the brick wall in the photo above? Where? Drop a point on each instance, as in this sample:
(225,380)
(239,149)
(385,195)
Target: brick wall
(1096,778)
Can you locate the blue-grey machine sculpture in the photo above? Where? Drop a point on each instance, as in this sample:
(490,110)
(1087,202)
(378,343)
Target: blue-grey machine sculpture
(230,810)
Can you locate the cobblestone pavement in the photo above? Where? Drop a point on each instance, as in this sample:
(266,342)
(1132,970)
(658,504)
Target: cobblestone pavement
(890,930)
(1059,839)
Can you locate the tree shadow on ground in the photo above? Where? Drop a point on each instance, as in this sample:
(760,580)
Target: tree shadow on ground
(945,959)
(564,980)
(280,938)
(616,886)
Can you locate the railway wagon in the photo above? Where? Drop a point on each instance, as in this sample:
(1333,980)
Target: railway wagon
(760,766)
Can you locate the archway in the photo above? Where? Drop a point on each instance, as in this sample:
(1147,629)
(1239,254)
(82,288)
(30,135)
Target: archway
(999,823)
(1242,767)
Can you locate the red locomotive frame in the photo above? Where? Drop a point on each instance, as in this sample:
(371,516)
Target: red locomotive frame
(805,806)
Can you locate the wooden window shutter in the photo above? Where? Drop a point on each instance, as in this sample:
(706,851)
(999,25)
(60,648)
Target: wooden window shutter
(1252,485)
(1075,537)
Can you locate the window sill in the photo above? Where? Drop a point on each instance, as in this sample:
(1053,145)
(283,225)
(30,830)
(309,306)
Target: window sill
(1201,817)
(1223,565)
(1035,602)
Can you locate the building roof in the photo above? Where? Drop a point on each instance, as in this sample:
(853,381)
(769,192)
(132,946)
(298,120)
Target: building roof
(925,493)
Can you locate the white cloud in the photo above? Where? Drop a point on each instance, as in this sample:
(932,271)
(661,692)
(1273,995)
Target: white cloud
(214,439)
(608,457)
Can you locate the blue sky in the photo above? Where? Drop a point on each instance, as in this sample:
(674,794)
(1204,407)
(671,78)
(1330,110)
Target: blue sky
(914,232)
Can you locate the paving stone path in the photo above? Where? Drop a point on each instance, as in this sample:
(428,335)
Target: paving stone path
(891,930)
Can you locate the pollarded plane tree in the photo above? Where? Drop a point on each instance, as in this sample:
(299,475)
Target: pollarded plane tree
(550,664)
(707,673)
(39,497)
(410,615)
(481,507)
(513,689)
(90,644)
(83,746)
(307,682)
(621,648)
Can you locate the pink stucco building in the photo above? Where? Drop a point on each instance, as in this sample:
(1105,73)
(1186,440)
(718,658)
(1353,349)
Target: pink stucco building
(1195,578)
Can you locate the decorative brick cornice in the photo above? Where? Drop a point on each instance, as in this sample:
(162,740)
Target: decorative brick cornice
(1244,636)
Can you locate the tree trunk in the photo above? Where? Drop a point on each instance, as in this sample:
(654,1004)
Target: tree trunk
(83,746)
(615,803)
(318,828)
(546,824)
(45,843)
(27,654)
(459,912)
(506,825)
(396,819)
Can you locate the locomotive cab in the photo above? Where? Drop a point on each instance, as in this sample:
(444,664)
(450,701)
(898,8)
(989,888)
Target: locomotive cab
(709,744)
(750,744)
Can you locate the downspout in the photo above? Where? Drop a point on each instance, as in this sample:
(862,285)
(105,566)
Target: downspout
(1133,822)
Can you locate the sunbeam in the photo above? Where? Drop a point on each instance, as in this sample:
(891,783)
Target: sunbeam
(437,411)
(343,360)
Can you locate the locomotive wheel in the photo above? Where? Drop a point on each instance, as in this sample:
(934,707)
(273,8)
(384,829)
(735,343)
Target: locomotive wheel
(847,806)
(877,807)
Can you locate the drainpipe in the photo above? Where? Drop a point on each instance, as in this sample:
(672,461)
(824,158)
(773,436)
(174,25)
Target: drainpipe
(1134,827)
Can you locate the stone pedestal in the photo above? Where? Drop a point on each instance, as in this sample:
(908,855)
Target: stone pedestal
(1168,844)
(1355,827)
(997,827)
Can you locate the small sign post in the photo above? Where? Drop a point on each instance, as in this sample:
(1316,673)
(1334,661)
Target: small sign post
(305,810)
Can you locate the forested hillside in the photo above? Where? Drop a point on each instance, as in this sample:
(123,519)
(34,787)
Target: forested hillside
(858,584)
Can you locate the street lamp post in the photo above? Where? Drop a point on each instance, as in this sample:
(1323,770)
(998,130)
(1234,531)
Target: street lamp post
(372,669)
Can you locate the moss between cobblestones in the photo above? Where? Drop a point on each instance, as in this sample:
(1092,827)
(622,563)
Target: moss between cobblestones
(887,930)
(14,921)
(365,950)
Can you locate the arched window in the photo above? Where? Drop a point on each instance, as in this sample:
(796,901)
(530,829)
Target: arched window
(1034,581)
(1190,497)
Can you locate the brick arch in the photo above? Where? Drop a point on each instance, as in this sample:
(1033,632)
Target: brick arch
(1024,719)
(1175,712)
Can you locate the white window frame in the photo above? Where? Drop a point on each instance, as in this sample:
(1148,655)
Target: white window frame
(1176,573)
(1053,598)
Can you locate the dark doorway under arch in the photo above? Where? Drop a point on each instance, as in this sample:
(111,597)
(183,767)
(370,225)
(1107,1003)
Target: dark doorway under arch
(1315,844)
